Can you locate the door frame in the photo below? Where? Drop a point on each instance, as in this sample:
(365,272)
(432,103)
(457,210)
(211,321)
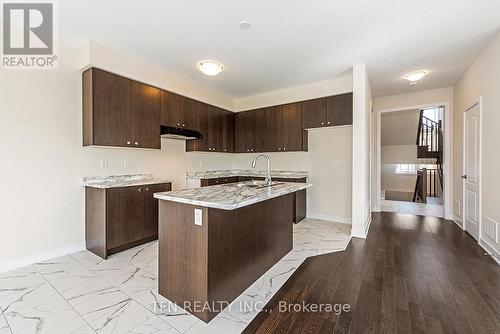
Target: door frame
(447,163)
(479,103)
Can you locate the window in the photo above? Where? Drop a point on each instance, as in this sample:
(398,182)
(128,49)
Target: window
(405,169)
(411,169)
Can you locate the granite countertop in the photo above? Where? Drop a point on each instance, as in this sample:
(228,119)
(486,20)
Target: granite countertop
(229,196)
(213,174)
(115,181)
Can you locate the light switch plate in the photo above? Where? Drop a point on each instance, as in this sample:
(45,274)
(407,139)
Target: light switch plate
(198,217)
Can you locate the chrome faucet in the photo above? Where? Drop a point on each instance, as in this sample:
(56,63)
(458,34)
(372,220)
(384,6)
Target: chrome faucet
(268,177)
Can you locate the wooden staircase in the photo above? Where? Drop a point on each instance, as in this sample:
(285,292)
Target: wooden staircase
(429,146)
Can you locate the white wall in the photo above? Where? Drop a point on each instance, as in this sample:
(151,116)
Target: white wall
(43,162)
(329,162)
(398,154)
(98,55)
(482,79)
(397,182)
(335,86)
(418,99)
(361,132)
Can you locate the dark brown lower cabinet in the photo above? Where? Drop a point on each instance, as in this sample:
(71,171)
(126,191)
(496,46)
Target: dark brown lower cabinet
(300,202)
(120,218)
(213,261)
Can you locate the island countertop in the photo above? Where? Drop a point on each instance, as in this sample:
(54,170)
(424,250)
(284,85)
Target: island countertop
(230,196)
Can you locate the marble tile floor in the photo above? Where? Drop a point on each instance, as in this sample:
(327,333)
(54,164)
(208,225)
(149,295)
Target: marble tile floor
(81,294)
(422,209)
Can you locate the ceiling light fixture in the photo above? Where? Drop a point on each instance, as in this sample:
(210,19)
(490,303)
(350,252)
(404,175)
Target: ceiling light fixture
(210,67)
(415,75)
(245,25)
(413,83)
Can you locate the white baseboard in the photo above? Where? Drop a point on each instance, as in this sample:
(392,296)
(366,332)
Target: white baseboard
(362,233)
(495,255)
(458,221)
(336,219)
(42,256)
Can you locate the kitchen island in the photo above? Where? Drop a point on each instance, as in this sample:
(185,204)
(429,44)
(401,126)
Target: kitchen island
(215,241)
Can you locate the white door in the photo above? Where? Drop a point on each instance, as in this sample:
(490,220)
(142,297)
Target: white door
(471,169)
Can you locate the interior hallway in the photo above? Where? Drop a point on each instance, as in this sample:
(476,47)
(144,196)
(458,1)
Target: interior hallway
(412,274)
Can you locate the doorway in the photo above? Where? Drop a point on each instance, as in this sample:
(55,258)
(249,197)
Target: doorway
(471,176)
(411,154)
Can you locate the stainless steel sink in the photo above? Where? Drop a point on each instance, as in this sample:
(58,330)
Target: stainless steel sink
(256,184)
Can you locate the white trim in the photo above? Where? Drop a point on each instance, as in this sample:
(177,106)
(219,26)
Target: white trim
(464,206)
(447,163)
(358,233)
(495,255)
(335,219)
(458,221)
(42,256)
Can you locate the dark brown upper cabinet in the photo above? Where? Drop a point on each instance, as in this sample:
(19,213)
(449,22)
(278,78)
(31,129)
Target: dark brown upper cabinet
(119,112)
(243,131)
(217,128)
(178,111)
(250,133)
(294,137)
(202,125)
(274,129)
(339,109)
(107,109)
(328,111)
(228,132)
(145,115)
(314,113)
(284,129)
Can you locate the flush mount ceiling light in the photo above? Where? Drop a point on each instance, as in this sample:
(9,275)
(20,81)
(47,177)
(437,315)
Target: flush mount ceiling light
(415,75)
(210,67)
(245,25)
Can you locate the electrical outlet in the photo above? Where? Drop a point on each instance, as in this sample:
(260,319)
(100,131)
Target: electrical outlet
(104,164)
(198,217)
(292,162)
(126,163)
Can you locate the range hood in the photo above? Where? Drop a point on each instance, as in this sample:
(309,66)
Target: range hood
(179,133)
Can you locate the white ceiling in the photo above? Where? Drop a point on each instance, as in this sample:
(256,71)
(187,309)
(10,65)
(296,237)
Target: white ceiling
(399,128)
(291,42)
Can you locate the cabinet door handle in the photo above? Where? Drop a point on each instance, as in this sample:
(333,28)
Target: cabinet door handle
(284,148)
(128,142)
(322,123)
(136,143)
(178,124)
(279,148)
(139,190)
(147,188)
(328,122)
(184,125)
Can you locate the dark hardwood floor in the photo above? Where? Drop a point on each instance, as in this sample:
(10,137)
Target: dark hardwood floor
(413,274)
